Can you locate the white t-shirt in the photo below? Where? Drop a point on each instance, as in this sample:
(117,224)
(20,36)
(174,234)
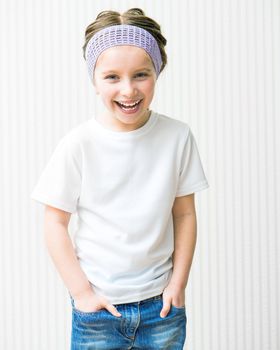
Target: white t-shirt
(122,186)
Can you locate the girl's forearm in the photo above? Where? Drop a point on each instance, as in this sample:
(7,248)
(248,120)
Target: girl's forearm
(62,252)
(185,233)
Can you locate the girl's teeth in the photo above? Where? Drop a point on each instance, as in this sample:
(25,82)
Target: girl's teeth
(129,106)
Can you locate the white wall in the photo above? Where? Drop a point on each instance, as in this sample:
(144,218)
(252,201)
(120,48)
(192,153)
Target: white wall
(223,79)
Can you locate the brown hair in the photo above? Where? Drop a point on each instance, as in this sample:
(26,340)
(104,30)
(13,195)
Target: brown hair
(134,16)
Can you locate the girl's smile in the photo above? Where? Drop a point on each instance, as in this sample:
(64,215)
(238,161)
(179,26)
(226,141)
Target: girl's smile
(125,79)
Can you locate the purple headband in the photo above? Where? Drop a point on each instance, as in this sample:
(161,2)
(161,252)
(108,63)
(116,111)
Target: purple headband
(122,34)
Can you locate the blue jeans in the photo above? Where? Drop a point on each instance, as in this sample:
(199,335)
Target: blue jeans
(139,327)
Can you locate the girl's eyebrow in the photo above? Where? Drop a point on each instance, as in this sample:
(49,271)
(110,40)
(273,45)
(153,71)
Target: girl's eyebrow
(137,70)
(108,72)
(144,68)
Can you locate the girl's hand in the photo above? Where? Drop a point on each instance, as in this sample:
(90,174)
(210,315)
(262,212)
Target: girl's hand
(91,302)
(172,296)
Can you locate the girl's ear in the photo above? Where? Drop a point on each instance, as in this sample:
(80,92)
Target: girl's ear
(95,87)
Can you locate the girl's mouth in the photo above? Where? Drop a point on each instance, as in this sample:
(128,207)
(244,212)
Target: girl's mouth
(129,107)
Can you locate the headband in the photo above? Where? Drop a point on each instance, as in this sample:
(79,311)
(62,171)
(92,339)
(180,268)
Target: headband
(122,34)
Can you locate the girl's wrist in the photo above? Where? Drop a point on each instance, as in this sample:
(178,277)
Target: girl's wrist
(82,293)
(177,285)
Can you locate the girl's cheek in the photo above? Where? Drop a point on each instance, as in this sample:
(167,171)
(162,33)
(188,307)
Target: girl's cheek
(150,86)
(108,89)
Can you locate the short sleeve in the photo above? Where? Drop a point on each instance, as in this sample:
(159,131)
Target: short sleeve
(60,182)
(192,178)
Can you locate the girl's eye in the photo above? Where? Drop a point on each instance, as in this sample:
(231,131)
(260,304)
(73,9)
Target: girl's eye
(114,77)
(141,75)
(111,77)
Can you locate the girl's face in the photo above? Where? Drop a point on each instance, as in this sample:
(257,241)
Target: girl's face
(125,78)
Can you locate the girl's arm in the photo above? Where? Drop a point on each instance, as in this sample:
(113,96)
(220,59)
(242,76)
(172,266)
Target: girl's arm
(62,252)
(185,230)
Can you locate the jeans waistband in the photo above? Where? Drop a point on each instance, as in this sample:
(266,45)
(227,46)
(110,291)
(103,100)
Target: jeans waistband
(157,297)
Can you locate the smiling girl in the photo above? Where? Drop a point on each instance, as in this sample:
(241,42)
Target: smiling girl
(130,174)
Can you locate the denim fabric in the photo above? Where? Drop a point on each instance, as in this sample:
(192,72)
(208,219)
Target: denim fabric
(139,327)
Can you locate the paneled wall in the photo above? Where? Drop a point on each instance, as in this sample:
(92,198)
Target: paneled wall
(222,79)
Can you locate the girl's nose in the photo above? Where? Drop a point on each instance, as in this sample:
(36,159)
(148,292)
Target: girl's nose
(128,89)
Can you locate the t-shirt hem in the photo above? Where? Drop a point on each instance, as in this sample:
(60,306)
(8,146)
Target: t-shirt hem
(139,297)
(199,187)
(53,203)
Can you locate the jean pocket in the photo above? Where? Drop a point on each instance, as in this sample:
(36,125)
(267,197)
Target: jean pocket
(179,307)
(85,313)
(91,313)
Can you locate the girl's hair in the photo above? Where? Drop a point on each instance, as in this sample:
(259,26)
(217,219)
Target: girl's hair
(135,17)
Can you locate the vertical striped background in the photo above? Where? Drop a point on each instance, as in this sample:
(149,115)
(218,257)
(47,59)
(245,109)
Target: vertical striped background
(223,79)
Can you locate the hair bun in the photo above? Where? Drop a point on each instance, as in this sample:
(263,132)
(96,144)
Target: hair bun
(135,11)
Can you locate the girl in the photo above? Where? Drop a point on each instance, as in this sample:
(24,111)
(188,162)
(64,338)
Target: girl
(130,174)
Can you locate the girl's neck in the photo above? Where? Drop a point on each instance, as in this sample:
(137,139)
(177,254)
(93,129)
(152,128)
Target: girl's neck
(106,120)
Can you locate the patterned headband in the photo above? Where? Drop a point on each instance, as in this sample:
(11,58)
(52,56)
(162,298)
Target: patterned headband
(122,34)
